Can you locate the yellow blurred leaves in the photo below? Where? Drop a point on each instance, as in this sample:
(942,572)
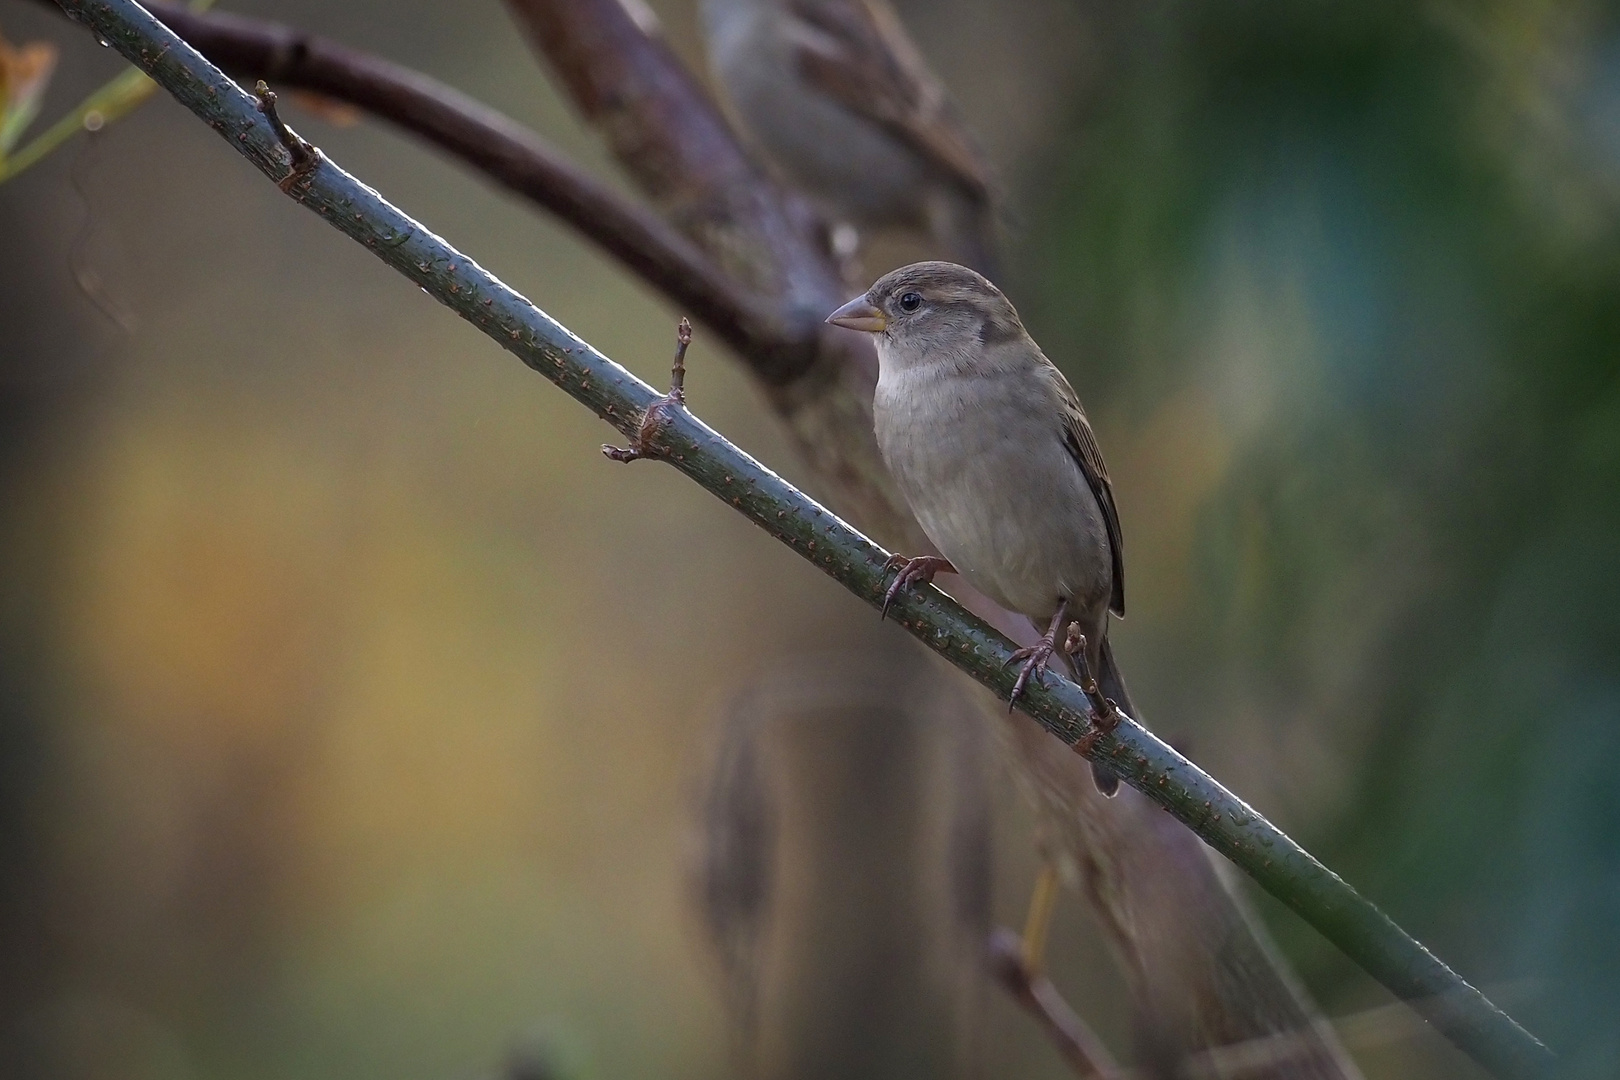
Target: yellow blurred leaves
(25,72)
(120,96)
(337,113)
(115,99)
(212,567)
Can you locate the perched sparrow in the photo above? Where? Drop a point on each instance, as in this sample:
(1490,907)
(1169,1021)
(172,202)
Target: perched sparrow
(838,98)
(989,446)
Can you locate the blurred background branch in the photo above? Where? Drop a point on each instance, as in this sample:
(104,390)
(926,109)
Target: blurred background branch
(836,882)
(1073,1037)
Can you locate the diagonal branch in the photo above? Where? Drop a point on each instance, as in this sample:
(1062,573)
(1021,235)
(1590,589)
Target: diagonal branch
(666,131)
(1224,821)
(1078,1044)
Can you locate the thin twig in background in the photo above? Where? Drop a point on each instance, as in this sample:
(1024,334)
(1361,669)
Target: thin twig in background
(1074,1039)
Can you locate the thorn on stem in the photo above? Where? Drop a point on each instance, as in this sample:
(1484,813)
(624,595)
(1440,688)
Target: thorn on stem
(304,155)
(657,413)
(677,367)
(1084,743)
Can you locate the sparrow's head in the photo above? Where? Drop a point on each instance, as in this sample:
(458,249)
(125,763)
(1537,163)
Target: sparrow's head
(932,310)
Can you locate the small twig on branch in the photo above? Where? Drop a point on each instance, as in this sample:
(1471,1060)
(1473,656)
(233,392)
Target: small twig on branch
(303,154)
(1134,754)
(1074,646)
(641,442)
(1074,1039)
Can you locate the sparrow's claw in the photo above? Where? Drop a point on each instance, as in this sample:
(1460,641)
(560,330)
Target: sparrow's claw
(1035,658)
(918,571)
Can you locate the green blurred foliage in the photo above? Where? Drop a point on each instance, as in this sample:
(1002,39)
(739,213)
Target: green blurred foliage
(1380,244)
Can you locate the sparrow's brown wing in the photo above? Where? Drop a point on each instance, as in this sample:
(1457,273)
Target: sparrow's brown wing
(858,54)
(1081,443)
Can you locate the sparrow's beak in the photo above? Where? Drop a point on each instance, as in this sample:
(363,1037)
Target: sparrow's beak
(859,314)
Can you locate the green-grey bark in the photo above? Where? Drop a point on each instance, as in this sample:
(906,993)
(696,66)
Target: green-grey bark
(1223,820)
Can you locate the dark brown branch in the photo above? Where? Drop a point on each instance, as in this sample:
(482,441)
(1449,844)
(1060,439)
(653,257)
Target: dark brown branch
(669,135)
(511,155)
(671,139)
(1071,1035)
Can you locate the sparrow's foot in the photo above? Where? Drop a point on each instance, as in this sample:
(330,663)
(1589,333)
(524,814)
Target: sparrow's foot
(659,411)
(1035,657)
(918,571)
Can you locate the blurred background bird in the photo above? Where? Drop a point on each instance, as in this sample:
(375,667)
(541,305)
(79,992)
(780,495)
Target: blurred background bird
(836,96)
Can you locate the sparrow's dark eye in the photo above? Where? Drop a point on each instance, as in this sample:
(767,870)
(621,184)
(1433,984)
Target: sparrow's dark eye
(910,301)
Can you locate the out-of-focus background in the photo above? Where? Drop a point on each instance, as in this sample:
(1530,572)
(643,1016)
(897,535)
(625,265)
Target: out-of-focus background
(353,709)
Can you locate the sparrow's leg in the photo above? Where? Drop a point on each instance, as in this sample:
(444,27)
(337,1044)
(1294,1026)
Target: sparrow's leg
(657,412)
(1039,920)
(1035,657)
(918,571)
